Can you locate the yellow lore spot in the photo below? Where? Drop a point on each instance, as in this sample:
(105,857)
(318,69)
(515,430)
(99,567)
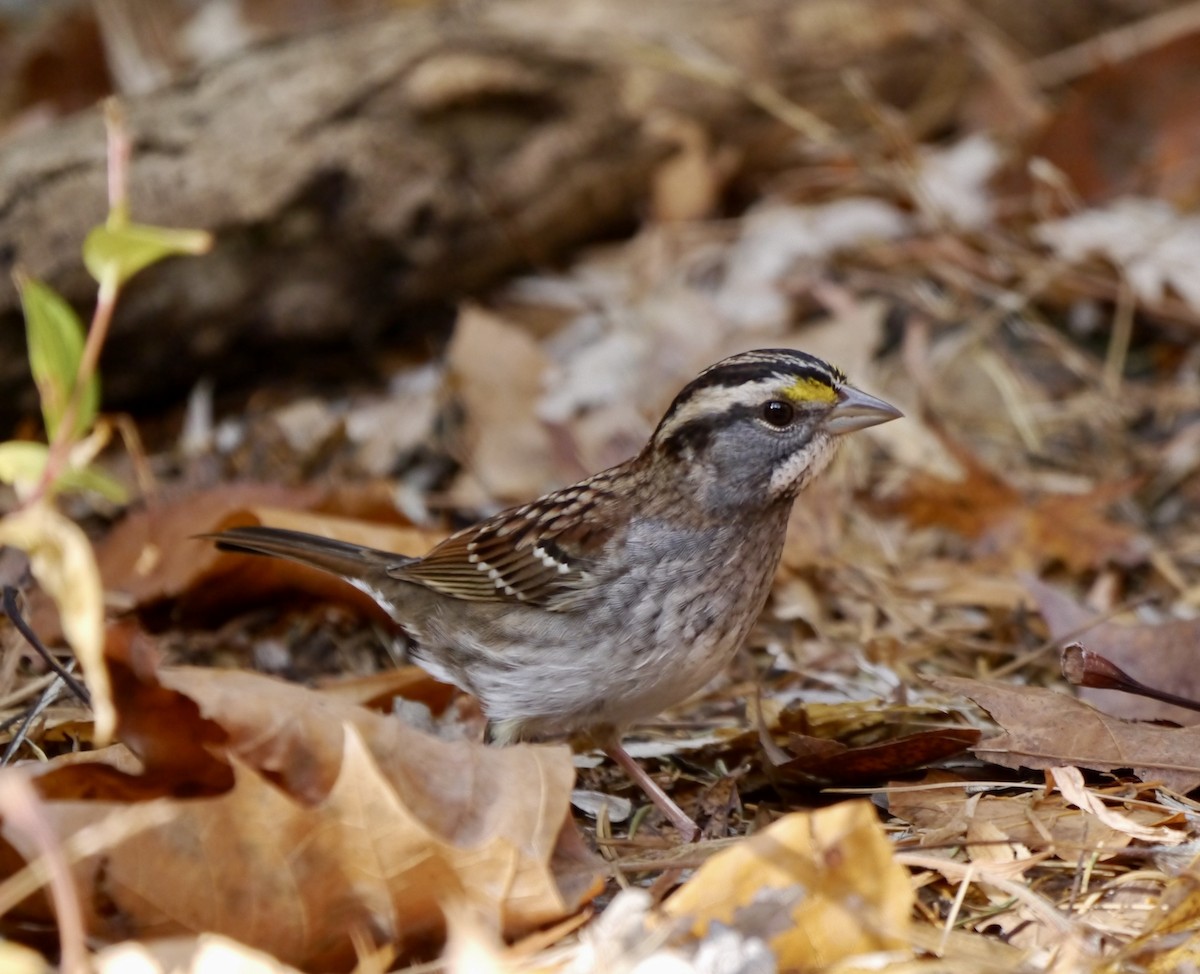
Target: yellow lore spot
(810,390)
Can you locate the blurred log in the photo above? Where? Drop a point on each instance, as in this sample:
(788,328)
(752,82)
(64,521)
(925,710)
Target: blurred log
(360,180)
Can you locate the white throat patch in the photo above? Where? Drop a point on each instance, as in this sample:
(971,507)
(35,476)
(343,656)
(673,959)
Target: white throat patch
(802,466)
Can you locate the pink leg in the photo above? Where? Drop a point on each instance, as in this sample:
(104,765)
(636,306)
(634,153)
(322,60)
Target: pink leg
(688,829)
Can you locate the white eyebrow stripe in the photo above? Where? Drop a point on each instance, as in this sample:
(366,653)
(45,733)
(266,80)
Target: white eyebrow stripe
(714,400)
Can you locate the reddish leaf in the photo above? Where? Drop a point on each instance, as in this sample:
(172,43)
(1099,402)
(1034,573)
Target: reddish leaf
(1162,656)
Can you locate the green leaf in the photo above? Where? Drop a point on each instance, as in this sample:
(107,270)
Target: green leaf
(22,462)
(55,339)
(96,482)
(127,248)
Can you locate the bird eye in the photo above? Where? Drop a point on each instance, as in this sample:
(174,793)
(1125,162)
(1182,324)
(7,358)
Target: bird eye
(778,413)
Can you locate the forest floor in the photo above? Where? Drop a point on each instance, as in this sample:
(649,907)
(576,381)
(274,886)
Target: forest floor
(926,757)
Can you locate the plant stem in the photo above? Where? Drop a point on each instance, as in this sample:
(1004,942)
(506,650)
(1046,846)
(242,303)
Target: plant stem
(119,148)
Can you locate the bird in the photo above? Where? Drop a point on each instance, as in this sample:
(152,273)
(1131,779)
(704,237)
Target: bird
(602,604)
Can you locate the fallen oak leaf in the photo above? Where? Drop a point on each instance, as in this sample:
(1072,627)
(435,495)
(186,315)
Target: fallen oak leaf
(230,579)
(1045,729)
(295,735)
(153,555)
(202,734)
(497,370)
(377,691)
(146,556)
(853,741)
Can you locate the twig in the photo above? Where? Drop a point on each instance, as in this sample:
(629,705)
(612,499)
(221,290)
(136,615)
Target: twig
(1115,46)
(23,813)
(12,610)
(48,696)
(31,688)
(694,61)
(1119,340)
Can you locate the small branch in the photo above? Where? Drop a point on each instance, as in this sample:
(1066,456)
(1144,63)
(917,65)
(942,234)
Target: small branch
(48,697)
(13,611)
(1115,46)
(25,814)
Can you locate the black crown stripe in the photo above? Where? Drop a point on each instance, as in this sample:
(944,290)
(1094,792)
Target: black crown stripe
(753,366)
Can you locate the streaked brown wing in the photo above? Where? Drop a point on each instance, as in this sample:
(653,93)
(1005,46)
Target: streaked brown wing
(540,554)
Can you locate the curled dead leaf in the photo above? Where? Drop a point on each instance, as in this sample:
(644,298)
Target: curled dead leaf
(62,561)
(819,886)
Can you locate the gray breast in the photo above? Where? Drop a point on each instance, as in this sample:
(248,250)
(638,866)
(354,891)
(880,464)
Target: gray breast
(653,634)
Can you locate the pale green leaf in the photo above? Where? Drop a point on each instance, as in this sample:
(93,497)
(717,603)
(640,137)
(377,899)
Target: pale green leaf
(132,247)
(95,481)
(22,462)
(55,339)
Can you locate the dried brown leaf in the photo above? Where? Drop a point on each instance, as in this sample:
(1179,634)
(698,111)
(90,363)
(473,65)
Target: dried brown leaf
(377,690)
(1070,782)
(1034,820)
(688,184)
(295,880)
(152,554)
(1046,729)
(831,761)
(335,819)
(496,370)
(1150,101)
(223,580)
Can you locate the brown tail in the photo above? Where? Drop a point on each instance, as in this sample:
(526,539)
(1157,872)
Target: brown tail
(351,561)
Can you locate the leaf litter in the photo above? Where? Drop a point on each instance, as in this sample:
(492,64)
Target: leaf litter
(1045,359)
(354,822)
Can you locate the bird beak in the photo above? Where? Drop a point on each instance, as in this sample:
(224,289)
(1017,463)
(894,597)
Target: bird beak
(855,410)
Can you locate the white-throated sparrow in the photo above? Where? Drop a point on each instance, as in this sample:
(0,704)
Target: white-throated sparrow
(604,603)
